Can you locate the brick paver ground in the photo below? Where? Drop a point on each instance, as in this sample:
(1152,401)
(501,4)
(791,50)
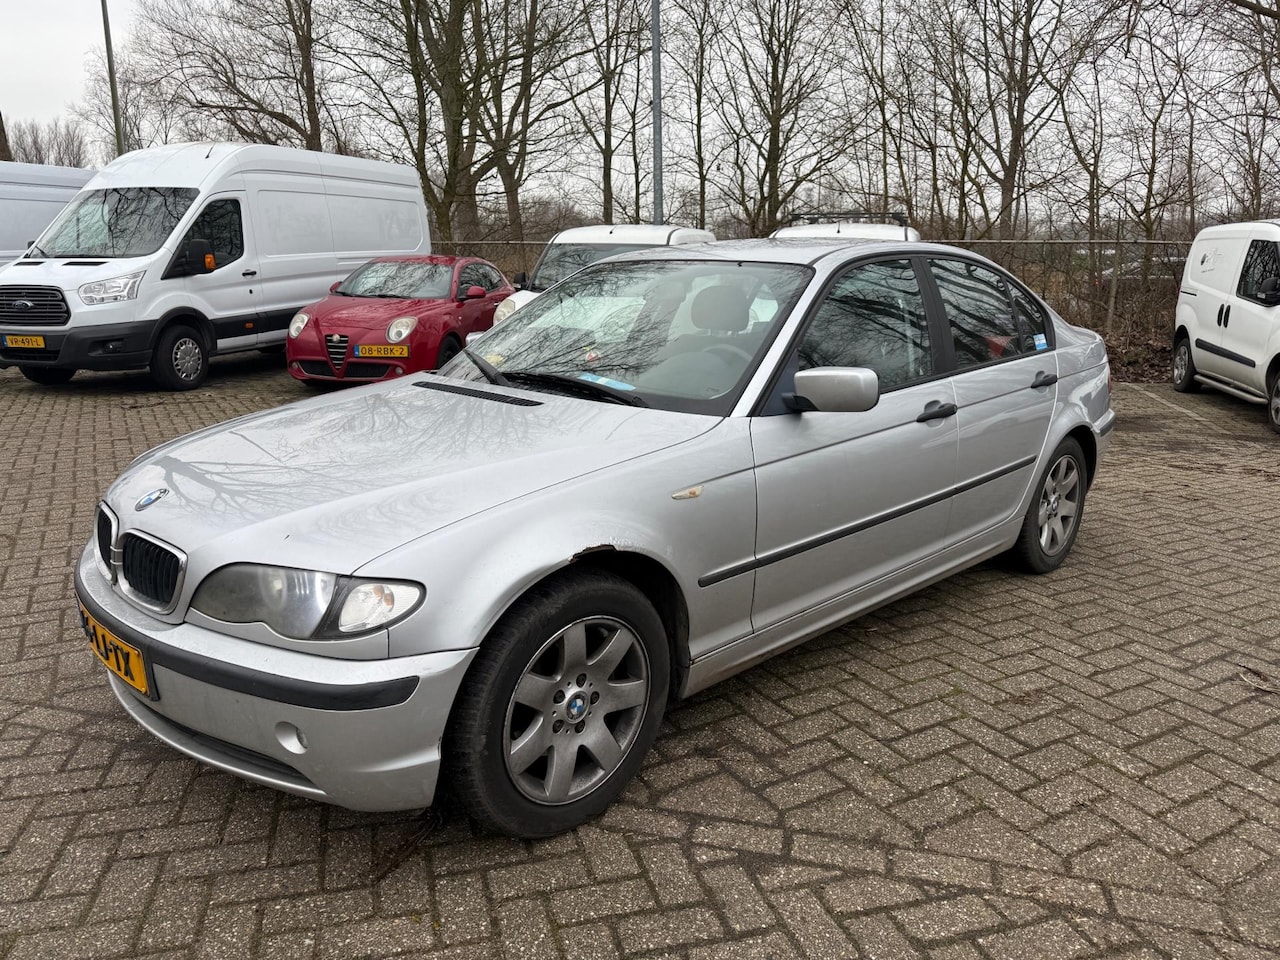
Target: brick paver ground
(1080,765)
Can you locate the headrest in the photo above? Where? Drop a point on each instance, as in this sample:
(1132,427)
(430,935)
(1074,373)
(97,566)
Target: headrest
(723,308)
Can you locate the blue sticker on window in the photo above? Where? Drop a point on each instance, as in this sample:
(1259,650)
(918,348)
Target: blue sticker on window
(1042,342)
(605,381)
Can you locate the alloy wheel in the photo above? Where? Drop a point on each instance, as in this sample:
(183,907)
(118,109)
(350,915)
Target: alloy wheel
(1181,362)
(1059,505)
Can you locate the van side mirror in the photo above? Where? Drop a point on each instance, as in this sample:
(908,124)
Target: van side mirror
(200,257)
(519,280)
(333,287)
(1269,291)
(834,390)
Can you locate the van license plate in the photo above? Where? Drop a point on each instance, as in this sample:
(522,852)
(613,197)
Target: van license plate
(122,659)
(14,341)
(381,350)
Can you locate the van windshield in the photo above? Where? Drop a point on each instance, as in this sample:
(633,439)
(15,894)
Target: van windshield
(561,260)
(116,222)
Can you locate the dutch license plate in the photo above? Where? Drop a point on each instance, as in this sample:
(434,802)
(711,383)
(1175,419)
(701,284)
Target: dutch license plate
(381,350)
(11,340)
(122,659)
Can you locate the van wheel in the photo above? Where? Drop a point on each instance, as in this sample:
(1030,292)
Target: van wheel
(181,360)
(1184,369)
(47,376)
(449,349)
(1273,401)
(559,707)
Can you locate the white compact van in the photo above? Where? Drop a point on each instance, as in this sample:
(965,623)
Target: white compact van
(570,250)
(31,194)
(173,254)
(1227,326)
(849,226)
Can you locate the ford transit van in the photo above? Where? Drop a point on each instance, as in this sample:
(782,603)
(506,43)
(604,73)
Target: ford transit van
(1227,327)
(31,194)
(173,254)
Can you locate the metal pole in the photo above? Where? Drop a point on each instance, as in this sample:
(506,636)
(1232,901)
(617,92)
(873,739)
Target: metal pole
(658,216)
(111,75)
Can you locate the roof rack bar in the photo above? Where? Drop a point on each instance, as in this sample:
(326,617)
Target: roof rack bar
(857,216)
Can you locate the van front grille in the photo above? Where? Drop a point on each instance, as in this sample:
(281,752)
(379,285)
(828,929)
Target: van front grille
(33,306)
(336,344)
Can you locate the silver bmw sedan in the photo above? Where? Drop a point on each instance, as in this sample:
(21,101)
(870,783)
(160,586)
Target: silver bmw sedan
(670,466)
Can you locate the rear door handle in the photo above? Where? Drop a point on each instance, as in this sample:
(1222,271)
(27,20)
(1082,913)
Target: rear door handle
(1226,315)
(1044,379)
(1220,306)
(249,273)
(936,410)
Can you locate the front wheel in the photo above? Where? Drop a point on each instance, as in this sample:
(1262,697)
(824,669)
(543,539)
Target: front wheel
(1273,402)
(47,376)
(1053,518)
(1184,368)
(180,361)
(561,704)
(449,348)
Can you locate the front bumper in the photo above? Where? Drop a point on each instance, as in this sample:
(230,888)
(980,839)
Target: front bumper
(107,346)
(362,734)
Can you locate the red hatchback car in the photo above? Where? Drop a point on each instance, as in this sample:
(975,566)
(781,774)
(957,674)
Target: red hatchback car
(392,316)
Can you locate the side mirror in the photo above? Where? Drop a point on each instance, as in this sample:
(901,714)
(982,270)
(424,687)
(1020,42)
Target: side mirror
(475,292)
(473,336)
(834,390)
(519,280)
(200,257)
(1269,291)
(333,287)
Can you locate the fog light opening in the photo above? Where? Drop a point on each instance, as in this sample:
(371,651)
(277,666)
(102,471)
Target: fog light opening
(291,738)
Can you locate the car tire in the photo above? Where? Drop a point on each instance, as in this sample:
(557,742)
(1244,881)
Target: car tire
(1057,507)
(1273,401)
(1184,368)
(47,376)
(449,348)
(536,688)
(180,360)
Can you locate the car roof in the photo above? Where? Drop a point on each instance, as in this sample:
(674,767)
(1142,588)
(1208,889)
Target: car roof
(441,259)
(799,250)
(658,234)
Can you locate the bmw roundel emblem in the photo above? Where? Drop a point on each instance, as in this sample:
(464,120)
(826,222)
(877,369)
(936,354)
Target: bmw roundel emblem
(148,499)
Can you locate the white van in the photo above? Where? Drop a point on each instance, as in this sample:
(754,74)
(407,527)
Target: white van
(31,194)
(172,254)
(570,250)
(849,226)
(1227,327)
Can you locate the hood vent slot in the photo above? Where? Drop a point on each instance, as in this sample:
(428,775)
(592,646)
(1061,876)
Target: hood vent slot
(83,263)
(27,263)
(446,387)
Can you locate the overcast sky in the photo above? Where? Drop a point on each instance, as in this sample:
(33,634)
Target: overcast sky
(44,46)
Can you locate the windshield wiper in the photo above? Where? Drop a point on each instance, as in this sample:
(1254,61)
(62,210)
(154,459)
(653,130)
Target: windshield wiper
(570,384)
(488,369)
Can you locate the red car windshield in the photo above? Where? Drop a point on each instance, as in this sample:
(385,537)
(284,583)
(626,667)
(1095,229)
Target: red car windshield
(401,280)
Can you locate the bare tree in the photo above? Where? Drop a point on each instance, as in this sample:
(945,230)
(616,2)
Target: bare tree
(58,141)
(6,153)
(693,41)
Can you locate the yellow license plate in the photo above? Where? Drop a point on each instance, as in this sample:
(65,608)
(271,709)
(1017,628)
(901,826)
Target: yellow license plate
(122,659)
(14,341)
(381,350)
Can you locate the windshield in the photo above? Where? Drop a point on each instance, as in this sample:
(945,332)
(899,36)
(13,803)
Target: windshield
(560,260)
(400,279)
(116,222)
(676,334)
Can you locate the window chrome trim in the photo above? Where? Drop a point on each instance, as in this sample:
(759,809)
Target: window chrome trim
(107,566)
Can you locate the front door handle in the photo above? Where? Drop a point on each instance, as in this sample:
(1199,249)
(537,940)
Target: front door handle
(936,410)
(249,273)
(1044,379)
(1226,315)
(1220,306)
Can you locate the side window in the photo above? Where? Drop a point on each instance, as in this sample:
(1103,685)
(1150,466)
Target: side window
(220,224)
(469,277)
(989,319)
(873,317)
(1261,262)
(490,278)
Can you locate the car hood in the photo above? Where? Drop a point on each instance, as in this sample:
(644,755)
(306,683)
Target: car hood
(69,273)
(335,312)
(334,482)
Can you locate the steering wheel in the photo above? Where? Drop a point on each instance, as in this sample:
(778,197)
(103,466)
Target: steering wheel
(729,348)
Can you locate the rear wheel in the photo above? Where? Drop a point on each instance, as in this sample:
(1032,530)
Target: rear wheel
(562,702)
(1184,369)
(47,376)
(1053,518)
(1273,402)
(181,360)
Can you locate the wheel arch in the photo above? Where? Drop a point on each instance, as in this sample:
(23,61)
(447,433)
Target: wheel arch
(1083,435)
(1273,370)
(189,317)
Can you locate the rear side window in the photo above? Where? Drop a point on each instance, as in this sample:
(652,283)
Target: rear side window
(873,317)
(1261,263)
(990,318)
(220,224)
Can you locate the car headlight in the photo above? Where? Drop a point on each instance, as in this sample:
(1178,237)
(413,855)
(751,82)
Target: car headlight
(401,328)
(297,323)
(113,290)
(505,309)
(304,604)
